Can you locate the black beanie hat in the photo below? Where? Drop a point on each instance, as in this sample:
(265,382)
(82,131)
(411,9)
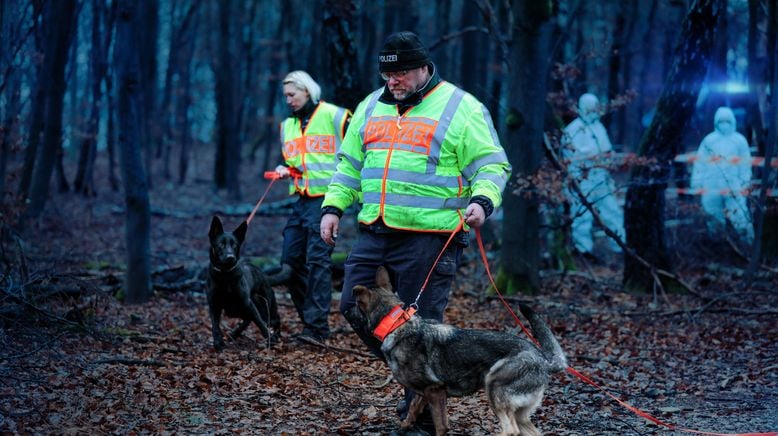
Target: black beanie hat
(402,51)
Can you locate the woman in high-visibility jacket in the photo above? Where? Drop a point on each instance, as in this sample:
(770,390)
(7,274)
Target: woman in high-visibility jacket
(310,139)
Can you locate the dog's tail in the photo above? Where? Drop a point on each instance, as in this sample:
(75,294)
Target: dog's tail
(279,275)
(548,343)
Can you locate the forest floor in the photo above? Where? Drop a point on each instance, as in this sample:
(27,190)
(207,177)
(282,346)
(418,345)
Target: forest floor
(75,360)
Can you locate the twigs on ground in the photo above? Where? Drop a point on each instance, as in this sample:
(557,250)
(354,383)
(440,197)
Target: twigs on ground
(46,313)
(130,362)
(31,352)
(316,343)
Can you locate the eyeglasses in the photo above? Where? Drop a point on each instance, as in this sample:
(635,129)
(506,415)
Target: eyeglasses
(394,75)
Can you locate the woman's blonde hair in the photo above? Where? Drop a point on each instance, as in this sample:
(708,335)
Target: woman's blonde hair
(303,81)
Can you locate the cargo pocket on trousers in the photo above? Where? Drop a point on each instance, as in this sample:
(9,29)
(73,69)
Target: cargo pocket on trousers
(447,265)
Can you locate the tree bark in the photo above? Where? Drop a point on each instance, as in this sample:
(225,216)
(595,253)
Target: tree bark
(184,97)
(101,25)
(645,203)
(619,64)
(523,143)
(228,152)
(137,227)
(37,111)
(11,39)
(757,133)
(60,21)
(766,218)
(150,131)
(342,63)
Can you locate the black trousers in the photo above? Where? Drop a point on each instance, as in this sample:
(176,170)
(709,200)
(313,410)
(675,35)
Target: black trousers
(310,258)
(408,256)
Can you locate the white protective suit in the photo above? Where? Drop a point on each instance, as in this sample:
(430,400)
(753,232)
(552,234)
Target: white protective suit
(721,180)
(585,142)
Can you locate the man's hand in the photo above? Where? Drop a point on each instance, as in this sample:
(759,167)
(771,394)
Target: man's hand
(475,215)
(329,228)
(282,171)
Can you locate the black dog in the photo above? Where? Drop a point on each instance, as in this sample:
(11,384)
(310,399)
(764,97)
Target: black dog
(237,287)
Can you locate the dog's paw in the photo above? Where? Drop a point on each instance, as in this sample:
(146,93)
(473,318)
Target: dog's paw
(218,346)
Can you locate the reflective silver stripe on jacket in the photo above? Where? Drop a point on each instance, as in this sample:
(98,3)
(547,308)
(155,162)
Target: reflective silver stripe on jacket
(320,166)
(416,201)
(443,124)
(371,104)
(347,181)
(412,177)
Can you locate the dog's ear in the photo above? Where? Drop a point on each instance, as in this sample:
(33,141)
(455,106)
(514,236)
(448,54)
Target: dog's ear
(216,228)
(240,232)
(382,278)
(362,295)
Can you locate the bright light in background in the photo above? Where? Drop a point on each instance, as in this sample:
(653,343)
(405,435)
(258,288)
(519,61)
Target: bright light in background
(731,88)
(735,88)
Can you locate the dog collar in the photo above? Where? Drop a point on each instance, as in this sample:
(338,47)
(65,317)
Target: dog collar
(396,317)
(217,269)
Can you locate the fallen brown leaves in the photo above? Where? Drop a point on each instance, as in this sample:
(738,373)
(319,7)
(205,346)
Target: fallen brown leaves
(151,368)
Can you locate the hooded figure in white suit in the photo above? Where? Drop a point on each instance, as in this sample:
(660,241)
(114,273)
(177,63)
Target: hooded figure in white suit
(722,170)
(586,144)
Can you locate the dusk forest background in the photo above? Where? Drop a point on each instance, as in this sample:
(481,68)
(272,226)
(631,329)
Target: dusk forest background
(126,125)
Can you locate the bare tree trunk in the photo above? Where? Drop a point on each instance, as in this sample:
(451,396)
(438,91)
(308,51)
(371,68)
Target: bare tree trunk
(179,61)
(184,100)
(269,139)
(619,64)
(137,228)
(150,132)
(342,63)
(760,212)
(475,54)
(60,20)
(246,74)
(11,39)
(167,91)
(228,148)
(101,25)
(110,143)
(645,204)
(649,39)
(520,256)
(756,134)
(37,115)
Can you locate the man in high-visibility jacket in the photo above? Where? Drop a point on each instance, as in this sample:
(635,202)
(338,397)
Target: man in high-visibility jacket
(310,139)
(422,156)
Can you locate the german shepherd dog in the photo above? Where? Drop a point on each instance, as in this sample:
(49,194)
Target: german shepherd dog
(238,288)
(437,360)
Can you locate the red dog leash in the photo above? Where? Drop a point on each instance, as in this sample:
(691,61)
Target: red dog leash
(588,380)
(272,176)
(398,315)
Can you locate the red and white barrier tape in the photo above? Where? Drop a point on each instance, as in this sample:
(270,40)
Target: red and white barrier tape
(722,192)
(756,161)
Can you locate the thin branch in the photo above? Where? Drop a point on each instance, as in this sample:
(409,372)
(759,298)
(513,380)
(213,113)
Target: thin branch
(46,313)
(130,362)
